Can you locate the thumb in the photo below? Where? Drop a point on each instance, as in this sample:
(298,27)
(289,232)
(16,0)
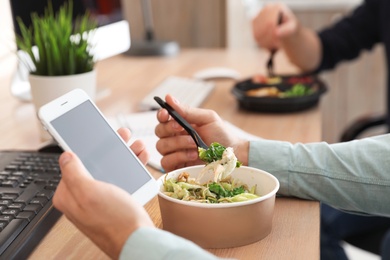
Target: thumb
(193,115)
(72,169)
(285,30)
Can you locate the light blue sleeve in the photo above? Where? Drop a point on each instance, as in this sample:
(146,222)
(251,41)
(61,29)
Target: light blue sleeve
(352,176)
(155,244)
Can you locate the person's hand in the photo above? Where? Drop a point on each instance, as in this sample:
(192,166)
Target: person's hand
(102,211)
(138,147)
(176,145)
(266,31)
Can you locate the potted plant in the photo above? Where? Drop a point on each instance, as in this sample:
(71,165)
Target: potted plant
(58,52)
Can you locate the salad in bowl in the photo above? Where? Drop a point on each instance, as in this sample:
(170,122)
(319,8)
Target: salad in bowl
(221,188)
(220,204)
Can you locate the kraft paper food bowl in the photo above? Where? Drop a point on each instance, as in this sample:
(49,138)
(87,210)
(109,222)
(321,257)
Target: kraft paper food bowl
(222,225)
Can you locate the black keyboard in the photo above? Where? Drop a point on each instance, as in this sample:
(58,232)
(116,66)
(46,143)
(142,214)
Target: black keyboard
(27,184)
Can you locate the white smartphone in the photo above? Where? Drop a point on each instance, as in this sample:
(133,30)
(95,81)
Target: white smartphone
(77,125)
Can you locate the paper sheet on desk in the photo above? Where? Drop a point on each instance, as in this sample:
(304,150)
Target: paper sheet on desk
(142,126)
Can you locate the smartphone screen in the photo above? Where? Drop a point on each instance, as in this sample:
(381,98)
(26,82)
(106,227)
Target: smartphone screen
(100,149)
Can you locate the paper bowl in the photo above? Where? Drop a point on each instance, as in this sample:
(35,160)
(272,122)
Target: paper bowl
(222,225)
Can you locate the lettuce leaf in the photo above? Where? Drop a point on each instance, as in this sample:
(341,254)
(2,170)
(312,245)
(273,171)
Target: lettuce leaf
(213,153)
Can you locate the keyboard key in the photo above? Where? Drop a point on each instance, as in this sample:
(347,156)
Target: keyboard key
(18,206)
(12,212)
(27,196)
(12,168)
(5,173)
(27,215)
(188,91)
(9,196)
(25,168)
(6,218)
(35,208)
(5,190)
(45,193)
(9,183)
(40,181)
(21,174)
(51,186)
(15,178)
(5,202)
(40,201)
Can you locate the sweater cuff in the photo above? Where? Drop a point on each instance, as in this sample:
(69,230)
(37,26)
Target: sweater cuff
(154,243)
(272,157)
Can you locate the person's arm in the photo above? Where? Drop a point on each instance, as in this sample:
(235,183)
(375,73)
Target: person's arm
(317,51)
(352,176)
(301,44)
(347,38)
(153,243)
(92,206)
(129,233)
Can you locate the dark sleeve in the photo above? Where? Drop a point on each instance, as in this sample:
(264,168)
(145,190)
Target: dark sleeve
(345,40)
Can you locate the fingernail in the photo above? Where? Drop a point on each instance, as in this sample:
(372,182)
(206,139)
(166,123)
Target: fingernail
(175,125)
(158,113)
(175,100)
(65,158)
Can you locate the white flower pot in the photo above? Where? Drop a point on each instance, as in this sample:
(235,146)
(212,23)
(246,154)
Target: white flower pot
(46,88)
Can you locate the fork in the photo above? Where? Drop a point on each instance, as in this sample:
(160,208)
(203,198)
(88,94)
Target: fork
(199,142)
(270,63)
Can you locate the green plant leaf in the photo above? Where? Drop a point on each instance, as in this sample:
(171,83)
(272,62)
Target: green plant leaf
(64,44)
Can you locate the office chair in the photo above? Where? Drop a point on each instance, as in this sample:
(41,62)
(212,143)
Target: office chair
(369,241)
(363,125)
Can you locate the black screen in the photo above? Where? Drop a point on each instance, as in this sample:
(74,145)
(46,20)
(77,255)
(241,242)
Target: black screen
(105,11)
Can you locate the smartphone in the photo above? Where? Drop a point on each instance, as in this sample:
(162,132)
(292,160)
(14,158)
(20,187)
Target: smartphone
(77,125)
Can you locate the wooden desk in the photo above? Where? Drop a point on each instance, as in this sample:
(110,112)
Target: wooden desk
(295,233)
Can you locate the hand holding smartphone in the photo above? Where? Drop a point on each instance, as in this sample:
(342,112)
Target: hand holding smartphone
(77,125)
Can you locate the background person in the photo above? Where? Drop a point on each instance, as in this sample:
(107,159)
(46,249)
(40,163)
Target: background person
(367,26)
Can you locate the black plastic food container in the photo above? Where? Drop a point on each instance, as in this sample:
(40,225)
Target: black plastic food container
(280,104)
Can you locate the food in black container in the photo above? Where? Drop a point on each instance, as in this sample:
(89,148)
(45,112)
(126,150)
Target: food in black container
(280,94)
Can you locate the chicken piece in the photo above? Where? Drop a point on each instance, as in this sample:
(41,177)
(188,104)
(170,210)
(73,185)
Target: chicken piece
(221,169)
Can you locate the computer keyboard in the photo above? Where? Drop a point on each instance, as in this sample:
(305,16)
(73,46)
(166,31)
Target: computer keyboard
(27,184)
(188,91)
